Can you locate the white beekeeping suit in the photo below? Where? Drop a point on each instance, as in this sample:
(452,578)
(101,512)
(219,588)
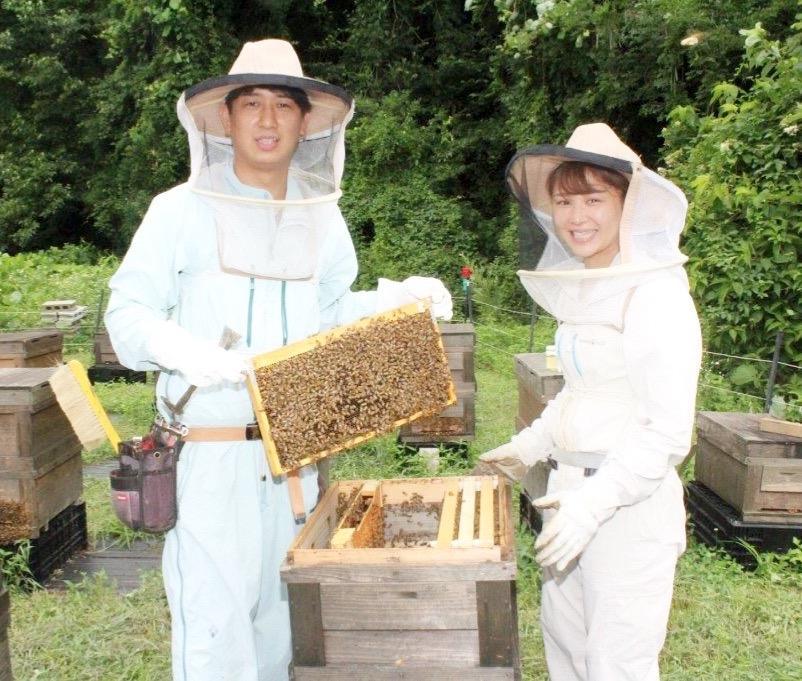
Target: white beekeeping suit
(629,345)
(218,252)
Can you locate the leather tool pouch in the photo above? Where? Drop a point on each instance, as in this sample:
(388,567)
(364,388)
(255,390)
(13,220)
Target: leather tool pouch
(143,486)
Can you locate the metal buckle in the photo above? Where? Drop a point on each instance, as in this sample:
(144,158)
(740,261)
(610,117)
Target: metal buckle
(252,432)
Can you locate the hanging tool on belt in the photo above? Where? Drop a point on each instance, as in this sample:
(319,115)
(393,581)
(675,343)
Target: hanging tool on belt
(143,486)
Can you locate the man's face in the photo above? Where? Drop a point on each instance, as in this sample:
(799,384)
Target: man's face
(265,127)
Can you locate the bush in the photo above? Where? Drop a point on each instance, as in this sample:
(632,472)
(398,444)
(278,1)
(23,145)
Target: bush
(741,166)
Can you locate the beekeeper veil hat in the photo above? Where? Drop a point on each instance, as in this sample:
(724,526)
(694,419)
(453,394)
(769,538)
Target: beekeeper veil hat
(258,234)
(652,218)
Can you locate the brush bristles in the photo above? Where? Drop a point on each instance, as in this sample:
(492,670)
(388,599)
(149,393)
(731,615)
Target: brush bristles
(81,407)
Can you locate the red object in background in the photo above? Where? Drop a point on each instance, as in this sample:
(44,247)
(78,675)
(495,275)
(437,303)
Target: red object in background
(465,272)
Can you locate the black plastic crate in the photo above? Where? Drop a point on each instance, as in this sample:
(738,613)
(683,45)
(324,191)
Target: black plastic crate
(65,534)
(719,525)
(103,373)
(529,515)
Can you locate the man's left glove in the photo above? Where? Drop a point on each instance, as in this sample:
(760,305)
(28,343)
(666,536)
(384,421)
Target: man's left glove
(568,532)
(392,294)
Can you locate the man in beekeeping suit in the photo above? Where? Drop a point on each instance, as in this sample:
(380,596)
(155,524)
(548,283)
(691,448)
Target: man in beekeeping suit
(629,345)
(253,241)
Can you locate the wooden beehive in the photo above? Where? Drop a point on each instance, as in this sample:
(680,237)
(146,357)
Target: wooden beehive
(757,473)
(537,385)
(40,455)
(31,348)
(456,423)
(406,579)
(5,655)
(337,389)
(104,350)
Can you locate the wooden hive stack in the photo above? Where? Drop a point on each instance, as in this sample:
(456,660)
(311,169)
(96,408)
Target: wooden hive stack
(758,473)
(40,455)
(104,350)
(406,579)
(537,385)
(5,655)
(337,389)
(32,348)
(456,423)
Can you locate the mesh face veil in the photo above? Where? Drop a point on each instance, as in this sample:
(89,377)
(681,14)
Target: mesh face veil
(652,218)
(260,235)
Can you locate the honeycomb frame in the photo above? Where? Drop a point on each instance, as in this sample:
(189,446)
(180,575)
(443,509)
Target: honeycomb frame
(281,463)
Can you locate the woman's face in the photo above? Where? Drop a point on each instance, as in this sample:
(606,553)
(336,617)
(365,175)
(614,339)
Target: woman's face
(588,223)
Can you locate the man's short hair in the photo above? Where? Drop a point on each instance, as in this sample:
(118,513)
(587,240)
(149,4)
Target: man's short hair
(295,94)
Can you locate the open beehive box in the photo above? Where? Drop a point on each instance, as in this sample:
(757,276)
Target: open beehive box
(336,389)
(406,579)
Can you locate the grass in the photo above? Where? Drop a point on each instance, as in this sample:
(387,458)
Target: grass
(727,624)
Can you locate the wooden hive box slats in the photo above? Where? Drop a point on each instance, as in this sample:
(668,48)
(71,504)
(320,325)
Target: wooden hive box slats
(448,515)
(456,648)
(444,611)
(414,606)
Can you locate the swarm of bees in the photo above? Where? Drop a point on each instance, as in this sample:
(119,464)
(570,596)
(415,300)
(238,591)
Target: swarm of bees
(363,382)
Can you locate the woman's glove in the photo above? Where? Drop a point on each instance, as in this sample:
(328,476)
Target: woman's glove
(579,514)
(391,294)
(201,362)
(505,459)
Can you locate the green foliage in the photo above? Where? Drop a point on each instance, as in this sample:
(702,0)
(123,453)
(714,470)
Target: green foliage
(741,166)
(575,61)
(27,280)
(394,200)
(14,567)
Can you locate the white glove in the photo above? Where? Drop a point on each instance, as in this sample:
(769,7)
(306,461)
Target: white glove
(391,294)
(568,532)
(202,362)
(505,459)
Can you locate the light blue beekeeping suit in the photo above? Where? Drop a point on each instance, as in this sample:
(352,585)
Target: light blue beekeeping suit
(221,561)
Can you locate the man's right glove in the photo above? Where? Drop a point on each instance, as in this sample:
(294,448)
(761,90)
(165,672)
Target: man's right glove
(201,362)
(505,459)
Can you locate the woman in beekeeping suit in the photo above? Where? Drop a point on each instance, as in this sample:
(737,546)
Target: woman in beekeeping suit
(253,241)
(629,345)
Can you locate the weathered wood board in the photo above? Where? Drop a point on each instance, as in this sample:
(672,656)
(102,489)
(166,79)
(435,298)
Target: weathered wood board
(758,473)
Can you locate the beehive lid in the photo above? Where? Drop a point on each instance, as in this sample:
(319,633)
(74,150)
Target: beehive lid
(30,343)
(739,434)
(25,388)
(337,389)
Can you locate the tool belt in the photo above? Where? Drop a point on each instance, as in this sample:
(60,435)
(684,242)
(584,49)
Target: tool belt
(243,434)
(223,433)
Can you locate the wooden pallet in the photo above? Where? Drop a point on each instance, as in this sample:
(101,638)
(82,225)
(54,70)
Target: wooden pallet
(310,344)
(443,607)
